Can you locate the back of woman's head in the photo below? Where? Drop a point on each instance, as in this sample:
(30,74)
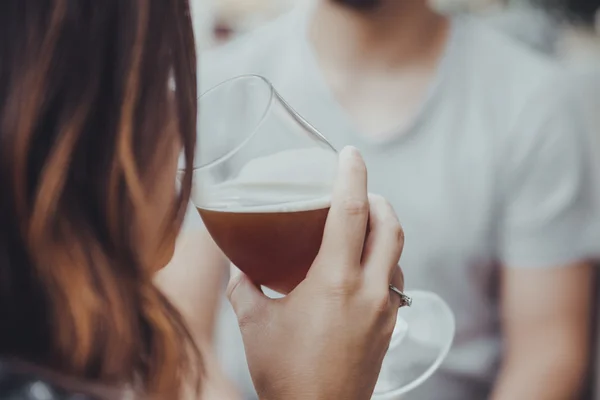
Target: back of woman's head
(97,99)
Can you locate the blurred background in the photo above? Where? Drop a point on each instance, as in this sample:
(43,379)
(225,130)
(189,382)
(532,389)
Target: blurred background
(567,30)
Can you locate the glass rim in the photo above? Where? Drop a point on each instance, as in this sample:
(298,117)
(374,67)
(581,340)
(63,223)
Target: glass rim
(253,131)
(273,94)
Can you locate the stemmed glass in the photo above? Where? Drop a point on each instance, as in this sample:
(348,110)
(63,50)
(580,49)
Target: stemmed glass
(262,183)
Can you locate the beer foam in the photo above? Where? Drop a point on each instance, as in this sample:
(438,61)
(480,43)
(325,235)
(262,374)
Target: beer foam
(288,181)
(281,207)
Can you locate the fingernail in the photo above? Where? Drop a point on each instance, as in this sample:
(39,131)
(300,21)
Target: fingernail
(350,154)
(350,151)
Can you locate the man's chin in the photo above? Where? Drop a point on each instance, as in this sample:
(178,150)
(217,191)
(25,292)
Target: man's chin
(359,4)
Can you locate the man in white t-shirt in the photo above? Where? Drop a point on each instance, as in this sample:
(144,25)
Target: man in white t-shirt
(478,145)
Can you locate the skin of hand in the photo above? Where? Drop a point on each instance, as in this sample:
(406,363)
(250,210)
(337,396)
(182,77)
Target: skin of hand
(327,338)
(546,322)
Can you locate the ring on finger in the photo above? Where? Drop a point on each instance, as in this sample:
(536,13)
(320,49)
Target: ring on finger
(404,299)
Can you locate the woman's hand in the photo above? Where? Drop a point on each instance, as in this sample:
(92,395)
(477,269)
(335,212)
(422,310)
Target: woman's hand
(328,337)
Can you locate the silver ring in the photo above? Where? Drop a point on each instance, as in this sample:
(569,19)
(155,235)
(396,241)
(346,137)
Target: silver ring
(405,300)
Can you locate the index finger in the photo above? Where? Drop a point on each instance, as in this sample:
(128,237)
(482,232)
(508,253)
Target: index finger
(346,224)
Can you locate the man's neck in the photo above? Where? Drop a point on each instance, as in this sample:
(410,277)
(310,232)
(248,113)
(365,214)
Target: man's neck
(396,34)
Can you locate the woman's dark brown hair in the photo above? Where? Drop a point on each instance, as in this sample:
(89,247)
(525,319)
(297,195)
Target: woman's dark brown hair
(95,96)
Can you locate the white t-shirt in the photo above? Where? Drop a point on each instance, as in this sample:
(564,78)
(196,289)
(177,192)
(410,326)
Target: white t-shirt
(494,170)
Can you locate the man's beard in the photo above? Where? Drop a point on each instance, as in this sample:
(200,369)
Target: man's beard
(360,4)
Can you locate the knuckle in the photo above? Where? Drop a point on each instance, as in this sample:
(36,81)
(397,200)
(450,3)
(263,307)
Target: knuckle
(393,233)
(355,207)
(398,233)
(393,228)
(398,278)
(388,216)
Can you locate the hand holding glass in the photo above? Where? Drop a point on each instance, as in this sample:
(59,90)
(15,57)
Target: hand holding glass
(262,186)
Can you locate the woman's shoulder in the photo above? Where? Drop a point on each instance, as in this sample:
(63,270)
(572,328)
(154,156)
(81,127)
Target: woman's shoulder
(18,384)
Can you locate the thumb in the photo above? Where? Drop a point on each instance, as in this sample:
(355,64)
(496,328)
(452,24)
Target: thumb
(247,299)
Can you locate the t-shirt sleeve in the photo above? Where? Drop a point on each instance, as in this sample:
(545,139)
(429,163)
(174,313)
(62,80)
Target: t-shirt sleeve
(549,186)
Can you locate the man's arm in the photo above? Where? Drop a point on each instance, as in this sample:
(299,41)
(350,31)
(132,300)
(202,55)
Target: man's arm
(194,281)
(548,228)
(545,317)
